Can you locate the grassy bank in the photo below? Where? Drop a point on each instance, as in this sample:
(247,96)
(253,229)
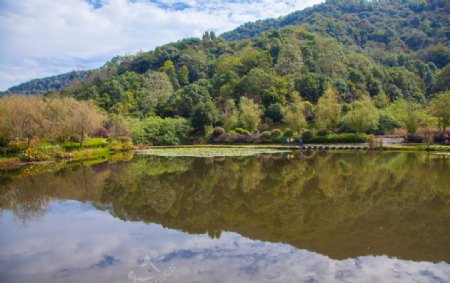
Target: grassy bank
(44,151)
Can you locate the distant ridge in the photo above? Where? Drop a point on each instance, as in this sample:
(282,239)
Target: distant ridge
(44,85)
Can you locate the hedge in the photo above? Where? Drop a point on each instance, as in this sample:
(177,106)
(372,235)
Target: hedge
(337,138)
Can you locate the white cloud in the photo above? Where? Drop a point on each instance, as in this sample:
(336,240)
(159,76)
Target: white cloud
(41,38)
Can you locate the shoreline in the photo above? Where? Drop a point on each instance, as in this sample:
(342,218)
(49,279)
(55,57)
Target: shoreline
(14,162)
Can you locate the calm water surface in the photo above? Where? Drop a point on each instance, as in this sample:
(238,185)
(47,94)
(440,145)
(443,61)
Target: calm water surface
(313,217)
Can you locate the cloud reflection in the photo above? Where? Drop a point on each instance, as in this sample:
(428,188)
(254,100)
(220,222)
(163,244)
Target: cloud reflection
(74,242)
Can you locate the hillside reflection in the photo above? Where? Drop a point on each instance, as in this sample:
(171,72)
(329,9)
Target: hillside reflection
(342,205)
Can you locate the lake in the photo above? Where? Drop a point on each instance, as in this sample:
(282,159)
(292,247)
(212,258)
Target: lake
(279,217)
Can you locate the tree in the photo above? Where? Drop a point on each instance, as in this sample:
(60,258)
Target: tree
(249,114)
(85,118)
(411,114)
(188,96)
(161,131)
(442,80)
(169,69)
(410,85)
(253,85)
(328,110)
(157,89)
(363,115)
(440,108)
(21,116)
(203,114)
(289,61)
(294,114)
(311,86)
(118,125)
(183,75)
(275,112)
(229,114)
(57,113)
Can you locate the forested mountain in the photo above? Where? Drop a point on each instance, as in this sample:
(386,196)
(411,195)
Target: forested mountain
(396,25)
(44,85)
(341,66)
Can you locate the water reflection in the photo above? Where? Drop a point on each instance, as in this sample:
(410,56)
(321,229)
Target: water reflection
(326,217)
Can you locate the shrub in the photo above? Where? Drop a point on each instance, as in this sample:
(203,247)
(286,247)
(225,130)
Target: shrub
(266,135)
(414,138)
(322,132)
(55,151)
(208,137)
(122,144)
(241,131)
(162,131)
(338,138)
(276,133)
(307,134)
(32,154)
(101,133)
(12,149)
(288,133)
(218,131)
(3,141)
(116,146)
(278,139)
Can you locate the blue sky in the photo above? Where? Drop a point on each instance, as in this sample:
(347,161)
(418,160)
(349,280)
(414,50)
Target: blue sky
(40,38)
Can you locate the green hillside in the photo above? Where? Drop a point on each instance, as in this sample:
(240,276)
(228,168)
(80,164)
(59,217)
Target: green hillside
(408,26)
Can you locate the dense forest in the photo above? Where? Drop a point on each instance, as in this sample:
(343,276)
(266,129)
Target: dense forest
(344,66)
(395,25)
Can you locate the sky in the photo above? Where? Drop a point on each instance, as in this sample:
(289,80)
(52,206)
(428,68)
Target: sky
(40,38)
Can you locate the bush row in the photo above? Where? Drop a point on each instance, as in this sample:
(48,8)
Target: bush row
(337,138)
(277,136)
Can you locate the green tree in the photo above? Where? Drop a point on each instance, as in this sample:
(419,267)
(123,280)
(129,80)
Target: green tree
(289,61)
(440,108)
(294,114)
(328,110)
(183,75)
(161,131)
(255,84)
(203,114)
(229,114)
(249,114)
(169,69)
(157,89)
(311,86)
(363,115)
(275,112)
(442,80)
(188,96)
(411,114)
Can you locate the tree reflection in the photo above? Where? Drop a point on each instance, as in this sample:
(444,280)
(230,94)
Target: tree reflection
(340,204)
